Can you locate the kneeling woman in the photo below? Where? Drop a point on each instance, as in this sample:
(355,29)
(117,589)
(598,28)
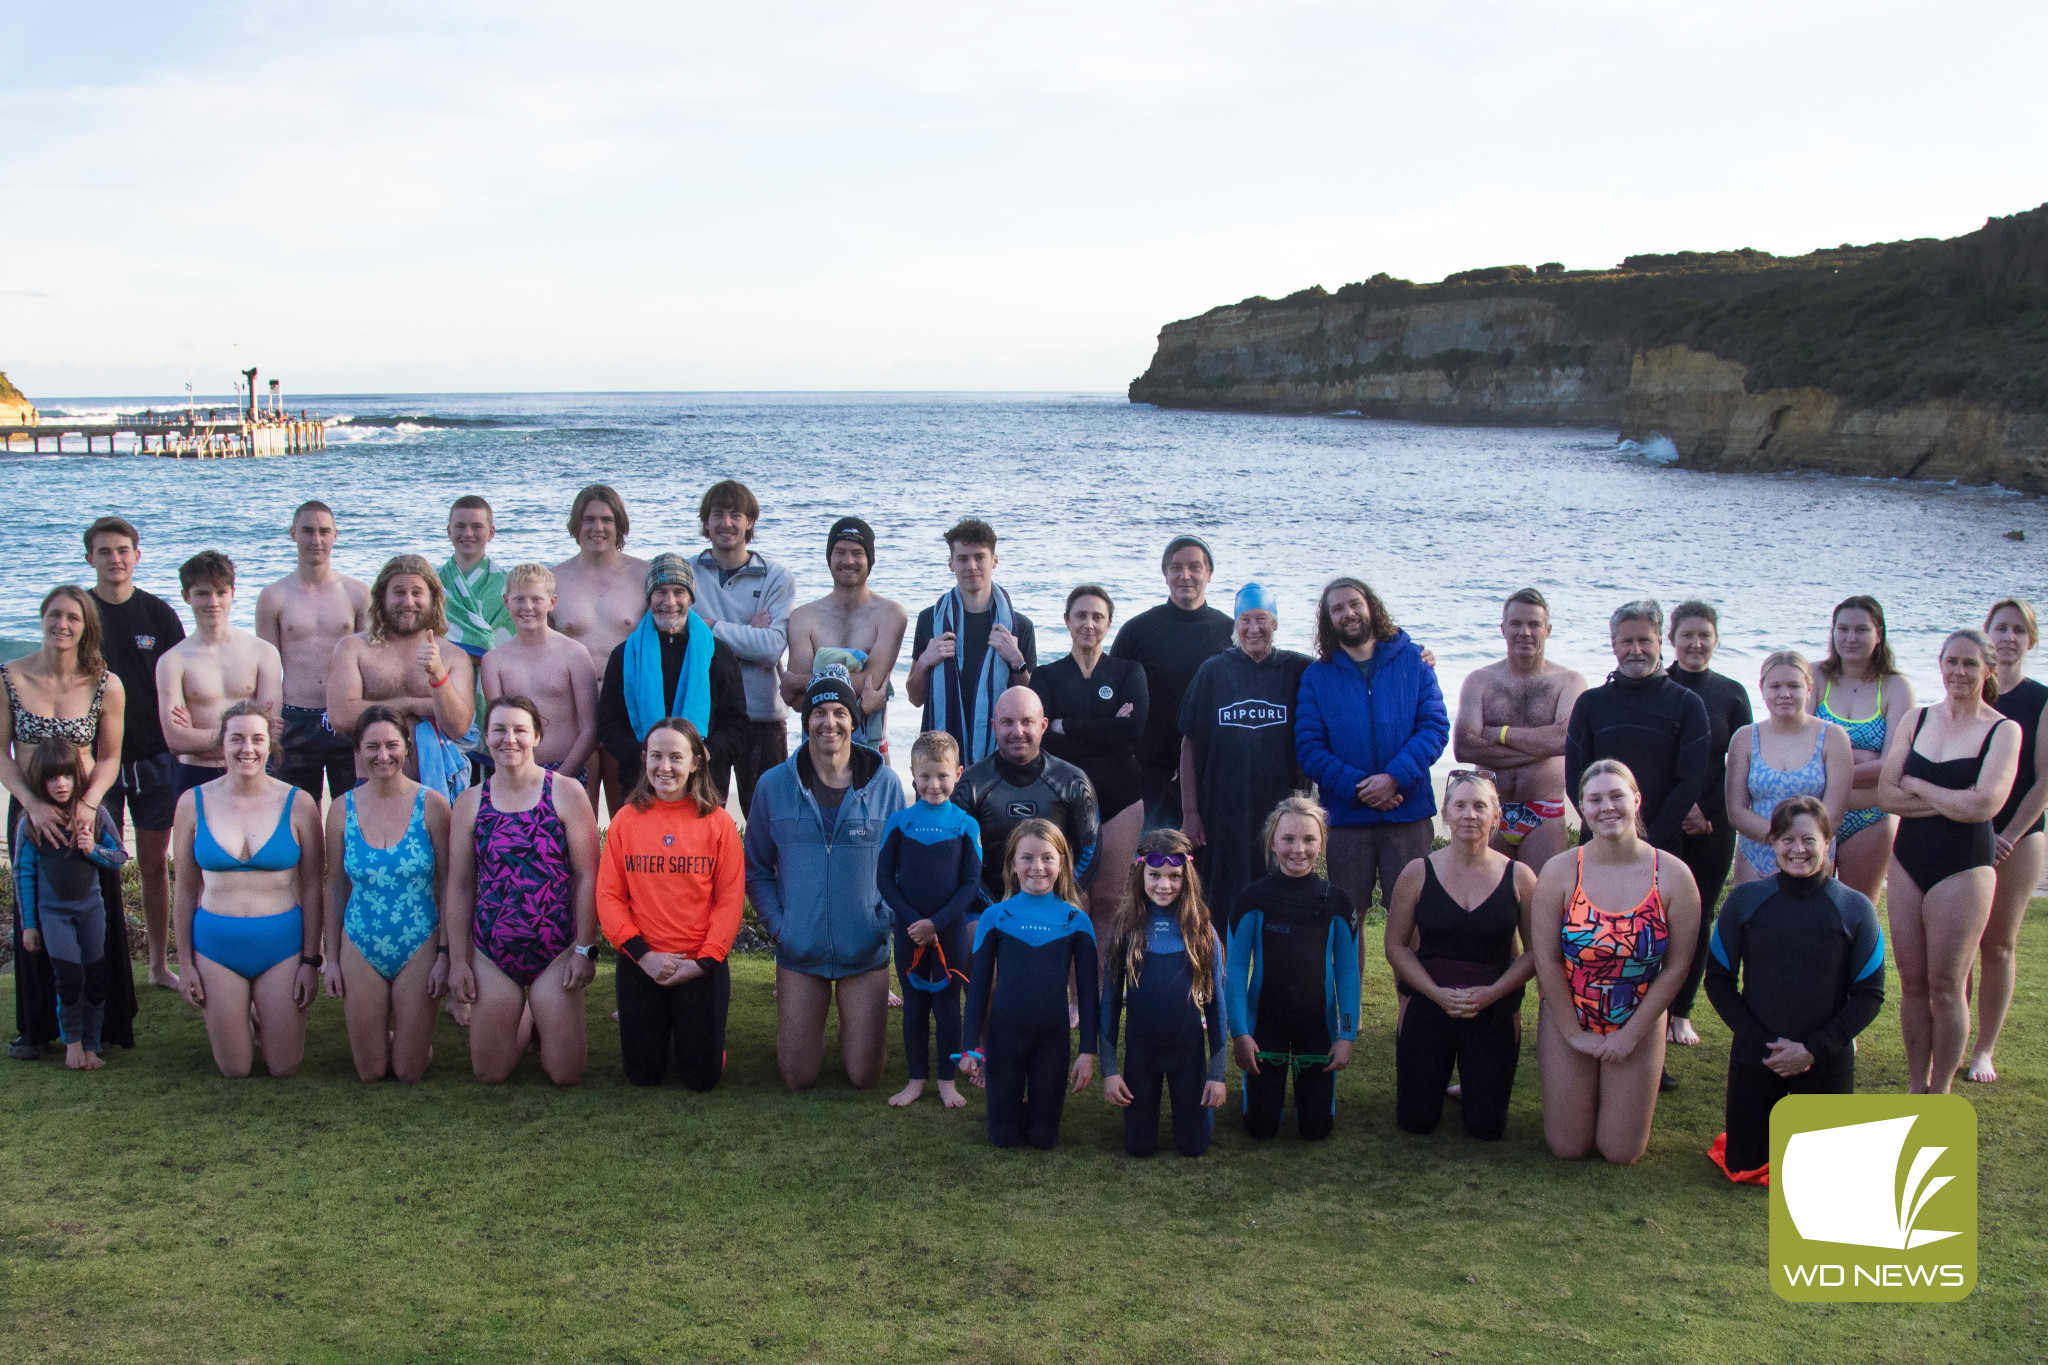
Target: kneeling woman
(1464,978)
(387,845)
(1796,969)
(1607,976)
(522,867)
(248,901)
(670,888)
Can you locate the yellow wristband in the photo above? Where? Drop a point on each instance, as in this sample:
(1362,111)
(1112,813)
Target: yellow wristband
(1503,736)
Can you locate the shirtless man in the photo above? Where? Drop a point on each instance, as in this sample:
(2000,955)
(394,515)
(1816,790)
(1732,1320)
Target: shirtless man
(305,614)
(1511,718)
(864,629)
(403,659)
(547,666)
(602,594)
(210,670)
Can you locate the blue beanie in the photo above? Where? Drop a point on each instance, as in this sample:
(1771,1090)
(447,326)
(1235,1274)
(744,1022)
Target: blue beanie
(1256,597)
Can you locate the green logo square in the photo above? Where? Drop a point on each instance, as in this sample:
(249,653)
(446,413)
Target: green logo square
(1873,1198)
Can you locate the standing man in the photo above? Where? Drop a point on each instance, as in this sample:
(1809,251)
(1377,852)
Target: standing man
(210,670)
(1018,781)
(853,627)
(601,597)
(971,646)
(1511,719)
(1170,641)
(745,598)
(549,669)
(1640,716)
(305,615)
(671,665)
(137,629)
(1371,721)
(404,661)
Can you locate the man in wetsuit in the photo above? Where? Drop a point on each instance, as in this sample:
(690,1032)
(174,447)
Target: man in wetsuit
(1643,718)
(1170,641)
(971,646)
(1019,782)
(1511,720)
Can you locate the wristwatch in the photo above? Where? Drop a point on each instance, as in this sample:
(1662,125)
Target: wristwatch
(586,951)
(314,961)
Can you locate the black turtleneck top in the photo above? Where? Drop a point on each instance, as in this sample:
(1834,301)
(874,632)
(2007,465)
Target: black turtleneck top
(1659,729)
(1799,958)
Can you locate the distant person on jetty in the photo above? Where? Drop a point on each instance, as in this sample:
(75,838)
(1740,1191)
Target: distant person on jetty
(521,909)
(305,615)
(64,690)
(210,670)
(2016,830)
(971,646)
(671,665)
(1511,721)
(403,660)
(1020,782)
(853,627)
(602,595)
(1170,641)
(478,619)
(249,901)
(1237,752)
(745,597)
(547,666)
(1096,708)
(59,902)
(1371,723)
(1641,718)
(137,629)
(814,839)
(1859,678)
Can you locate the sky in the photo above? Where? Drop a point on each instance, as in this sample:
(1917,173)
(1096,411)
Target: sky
(397,197)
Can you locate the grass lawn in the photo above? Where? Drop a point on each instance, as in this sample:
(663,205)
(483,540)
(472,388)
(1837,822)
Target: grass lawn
(156,1212)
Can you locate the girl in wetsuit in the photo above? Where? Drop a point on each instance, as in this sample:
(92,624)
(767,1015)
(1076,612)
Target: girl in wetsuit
(2018,842)
(1464,976)
(248,901)
(387,846)
(1607,973)
(58,901)
(521,916)
(1860,679)
(1946,775)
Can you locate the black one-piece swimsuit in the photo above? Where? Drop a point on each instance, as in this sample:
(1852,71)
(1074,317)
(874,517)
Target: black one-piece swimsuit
(1933,847)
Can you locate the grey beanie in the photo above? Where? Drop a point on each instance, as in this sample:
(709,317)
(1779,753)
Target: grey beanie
(670,570)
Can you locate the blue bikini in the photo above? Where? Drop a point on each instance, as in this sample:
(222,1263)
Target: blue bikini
(248,946)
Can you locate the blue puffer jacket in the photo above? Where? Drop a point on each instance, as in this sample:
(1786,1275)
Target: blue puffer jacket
(1347,729)
(816,895)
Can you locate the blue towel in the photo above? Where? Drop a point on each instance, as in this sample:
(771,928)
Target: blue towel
(444,763)
(948,703)
(644,703)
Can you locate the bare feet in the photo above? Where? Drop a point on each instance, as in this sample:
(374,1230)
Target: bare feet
(79,1059)
(1981,1070)
(528,1037)
(1679,1030)
(950,1096)
(1455,1092)
(909,1094)
(163,977)
(895,1001)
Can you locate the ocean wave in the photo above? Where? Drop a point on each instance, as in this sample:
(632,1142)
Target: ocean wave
(420,422)
(1659,449)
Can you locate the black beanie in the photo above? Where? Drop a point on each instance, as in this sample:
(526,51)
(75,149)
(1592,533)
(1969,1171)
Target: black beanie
(829,687)
(851,528)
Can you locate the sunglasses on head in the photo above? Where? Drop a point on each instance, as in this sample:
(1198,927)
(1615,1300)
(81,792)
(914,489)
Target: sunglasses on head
(1162,859)
(1456,774)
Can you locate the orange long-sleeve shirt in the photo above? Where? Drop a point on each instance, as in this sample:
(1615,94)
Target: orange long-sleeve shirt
(671,881)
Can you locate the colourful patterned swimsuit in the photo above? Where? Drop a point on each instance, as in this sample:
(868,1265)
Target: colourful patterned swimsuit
(1867,735)
(1610,960)
(524,919)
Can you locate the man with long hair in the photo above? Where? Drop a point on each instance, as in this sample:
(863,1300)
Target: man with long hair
(404,659)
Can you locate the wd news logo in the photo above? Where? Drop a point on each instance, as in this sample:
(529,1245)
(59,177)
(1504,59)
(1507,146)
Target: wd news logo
(1873,1198)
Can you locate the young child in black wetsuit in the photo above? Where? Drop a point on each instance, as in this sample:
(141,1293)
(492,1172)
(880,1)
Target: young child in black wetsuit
(1162,969)
(929,874)
(1016,1028)
(57,895)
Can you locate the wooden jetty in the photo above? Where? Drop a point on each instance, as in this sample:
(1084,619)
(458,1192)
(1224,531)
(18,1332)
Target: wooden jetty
(252,427)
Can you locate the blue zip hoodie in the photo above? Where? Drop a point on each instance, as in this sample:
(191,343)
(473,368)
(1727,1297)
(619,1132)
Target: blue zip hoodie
(1347,728)
(815,892)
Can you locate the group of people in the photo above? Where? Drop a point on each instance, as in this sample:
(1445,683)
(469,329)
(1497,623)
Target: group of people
(1167,841)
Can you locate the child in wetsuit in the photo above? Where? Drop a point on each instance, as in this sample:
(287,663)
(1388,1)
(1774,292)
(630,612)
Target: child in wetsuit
(929,874)
(57,895)
(1016,1029)
(1161,972)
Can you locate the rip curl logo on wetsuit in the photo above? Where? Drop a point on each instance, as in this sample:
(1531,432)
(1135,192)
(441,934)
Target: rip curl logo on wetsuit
(1252,715)
(1023,810)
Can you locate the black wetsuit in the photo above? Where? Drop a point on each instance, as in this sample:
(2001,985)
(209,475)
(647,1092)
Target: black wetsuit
(1799,958)
(1170,644)
(1170,1043)
(1659,729)
(1002,795)
(2023,706)
(1711,856)
(1096,739)
(1017,1012)
(1291,984)
(1239,717)
(1460,948)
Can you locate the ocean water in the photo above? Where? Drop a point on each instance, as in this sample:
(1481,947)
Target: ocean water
(1443,521)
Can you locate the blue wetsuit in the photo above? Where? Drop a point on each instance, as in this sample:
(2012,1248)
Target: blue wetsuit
(1017,1011)
(1170,1042)
(1291,982)
(930,868)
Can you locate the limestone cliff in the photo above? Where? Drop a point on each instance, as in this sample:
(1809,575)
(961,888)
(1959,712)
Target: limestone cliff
(14,405)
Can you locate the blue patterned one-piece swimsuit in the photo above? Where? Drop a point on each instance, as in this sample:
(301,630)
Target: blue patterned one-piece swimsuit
(1769,786)
(391,908)
(1867,735)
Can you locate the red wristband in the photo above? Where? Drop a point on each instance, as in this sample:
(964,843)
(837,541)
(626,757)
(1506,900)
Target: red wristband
(444,678)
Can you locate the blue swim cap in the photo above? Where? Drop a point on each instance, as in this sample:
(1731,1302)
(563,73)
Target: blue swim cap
(1256,597)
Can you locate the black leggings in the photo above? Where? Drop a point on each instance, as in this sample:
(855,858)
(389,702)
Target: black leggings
(684,1023)
(1484,1050)
(1753,1089)
(922,1007)
(1027,1084)
(1315,1098)
(1181,1070)
(1710,858)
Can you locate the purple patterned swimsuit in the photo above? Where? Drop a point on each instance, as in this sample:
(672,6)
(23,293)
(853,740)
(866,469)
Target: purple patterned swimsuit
(523,918)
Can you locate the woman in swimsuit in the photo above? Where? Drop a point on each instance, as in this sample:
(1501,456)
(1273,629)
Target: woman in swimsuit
(1789,753)
(1946,775)
(1859,678)
(522,854)
(248,901)
(1607,976)
(387,848)
(2016,831)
